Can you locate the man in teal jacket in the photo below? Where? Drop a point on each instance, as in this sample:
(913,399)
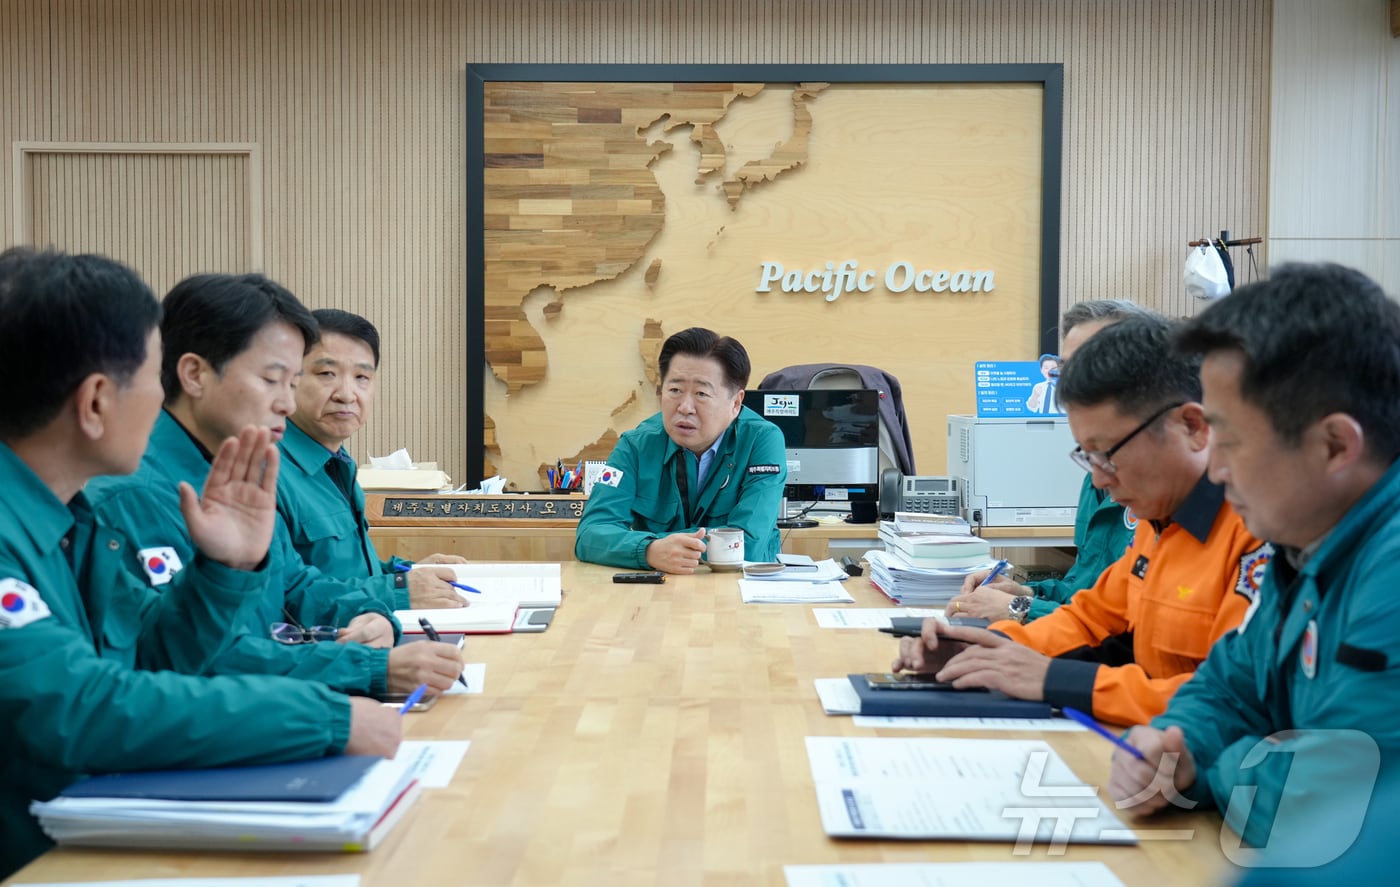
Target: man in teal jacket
(94,666)
(318,497)
(233,350)
(704,461)
(1295,712)
(1102,528)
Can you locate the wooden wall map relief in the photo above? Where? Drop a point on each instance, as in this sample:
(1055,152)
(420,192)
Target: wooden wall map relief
(570,197)
(392,510)
(813,220)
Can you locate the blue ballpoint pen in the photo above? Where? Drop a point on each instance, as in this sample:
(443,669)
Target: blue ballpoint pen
(996,571)
(1075,714)
(404,568)
(413,699)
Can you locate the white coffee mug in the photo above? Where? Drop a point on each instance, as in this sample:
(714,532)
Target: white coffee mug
(725,548)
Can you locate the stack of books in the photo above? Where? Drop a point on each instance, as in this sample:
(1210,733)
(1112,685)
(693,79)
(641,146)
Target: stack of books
(343,803)
(934,541)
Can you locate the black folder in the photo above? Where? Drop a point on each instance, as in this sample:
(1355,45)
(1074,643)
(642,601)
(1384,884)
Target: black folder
(944,703)
(318,780)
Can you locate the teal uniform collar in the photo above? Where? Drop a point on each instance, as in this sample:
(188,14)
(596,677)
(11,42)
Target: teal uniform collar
(1338,548)
(33,505)
(199,447)
(304,450)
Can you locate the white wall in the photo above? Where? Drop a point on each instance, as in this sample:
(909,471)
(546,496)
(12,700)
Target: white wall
(1334,136)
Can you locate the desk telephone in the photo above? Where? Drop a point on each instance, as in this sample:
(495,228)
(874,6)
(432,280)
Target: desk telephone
(923,494)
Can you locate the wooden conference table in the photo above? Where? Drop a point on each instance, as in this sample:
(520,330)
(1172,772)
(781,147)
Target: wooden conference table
(653,735)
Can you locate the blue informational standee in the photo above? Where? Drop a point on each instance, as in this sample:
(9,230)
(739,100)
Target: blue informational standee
(1016,389)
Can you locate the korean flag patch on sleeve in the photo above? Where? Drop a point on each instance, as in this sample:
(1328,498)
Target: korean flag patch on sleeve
(609,476)
(161,563)
(20,604)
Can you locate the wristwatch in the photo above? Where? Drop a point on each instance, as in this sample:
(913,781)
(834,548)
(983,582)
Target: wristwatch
(1019,608)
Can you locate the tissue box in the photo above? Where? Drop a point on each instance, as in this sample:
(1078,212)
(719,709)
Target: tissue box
(427,480)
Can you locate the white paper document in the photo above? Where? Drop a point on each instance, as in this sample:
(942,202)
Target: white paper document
(432,762)
(878,617)
(1011,790)
(755,591)
(475,673)
(837,696)
(482,617)
(291,880)
(953,874)
(521,584)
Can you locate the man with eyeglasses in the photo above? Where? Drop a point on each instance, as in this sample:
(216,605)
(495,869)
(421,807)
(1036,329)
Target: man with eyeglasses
(1190,574)
(1102,528)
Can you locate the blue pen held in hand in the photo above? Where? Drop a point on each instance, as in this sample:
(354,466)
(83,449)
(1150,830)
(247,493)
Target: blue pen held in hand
(996,571)
(413,699)
(404,568)
(1075,714)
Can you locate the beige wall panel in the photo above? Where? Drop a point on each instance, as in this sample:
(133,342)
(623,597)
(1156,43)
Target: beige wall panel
(1335,137)
(358,109)
(166,215)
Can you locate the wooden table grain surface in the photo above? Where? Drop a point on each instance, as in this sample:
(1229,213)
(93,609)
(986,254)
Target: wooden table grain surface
(652,736)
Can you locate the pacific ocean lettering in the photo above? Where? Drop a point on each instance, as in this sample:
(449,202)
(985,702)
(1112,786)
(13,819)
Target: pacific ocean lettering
(849,277)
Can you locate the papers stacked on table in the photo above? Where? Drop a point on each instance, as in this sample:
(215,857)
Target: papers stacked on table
(924,548)
(909,585)
(345,803)
(815,583)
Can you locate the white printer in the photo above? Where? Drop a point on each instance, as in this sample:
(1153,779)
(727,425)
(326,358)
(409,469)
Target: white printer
(1015,472)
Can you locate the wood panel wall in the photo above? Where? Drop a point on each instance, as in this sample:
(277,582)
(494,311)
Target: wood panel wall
(358,109)
(163,211)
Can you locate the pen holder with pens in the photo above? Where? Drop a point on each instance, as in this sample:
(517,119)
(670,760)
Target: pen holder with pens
(565,480)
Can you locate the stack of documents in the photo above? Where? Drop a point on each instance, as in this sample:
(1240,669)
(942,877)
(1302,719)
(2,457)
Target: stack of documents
(815,583)
(500,590)
(956,789)
(919,522)
(346,803)
(923,548)
(910,585)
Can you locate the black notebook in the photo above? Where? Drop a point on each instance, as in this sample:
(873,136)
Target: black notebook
(944,703)
(319,780)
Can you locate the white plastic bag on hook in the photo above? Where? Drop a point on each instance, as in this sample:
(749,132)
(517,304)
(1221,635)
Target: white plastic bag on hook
(1205,275)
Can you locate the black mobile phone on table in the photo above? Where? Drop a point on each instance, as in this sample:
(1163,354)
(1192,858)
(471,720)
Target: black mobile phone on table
(905,680)
(655,577)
